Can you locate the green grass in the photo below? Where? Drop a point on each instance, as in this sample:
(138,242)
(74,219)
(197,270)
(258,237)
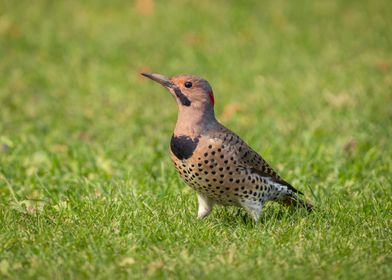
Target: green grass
(87,189)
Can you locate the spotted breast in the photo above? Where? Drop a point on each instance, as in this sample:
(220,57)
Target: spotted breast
(214,164)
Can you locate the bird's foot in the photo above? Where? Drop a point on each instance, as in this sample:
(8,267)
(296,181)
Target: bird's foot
(205,206)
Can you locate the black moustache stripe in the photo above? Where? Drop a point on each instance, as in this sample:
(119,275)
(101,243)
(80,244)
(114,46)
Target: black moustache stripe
(183,99)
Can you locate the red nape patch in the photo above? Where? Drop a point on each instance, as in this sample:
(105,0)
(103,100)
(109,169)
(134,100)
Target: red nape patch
(211,97)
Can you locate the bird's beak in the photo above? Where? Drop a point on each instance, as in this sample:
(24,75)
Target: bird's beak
(165,81)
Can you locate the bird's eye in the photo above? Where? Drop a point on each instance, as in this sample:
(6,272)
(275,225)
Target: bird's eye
(188,84)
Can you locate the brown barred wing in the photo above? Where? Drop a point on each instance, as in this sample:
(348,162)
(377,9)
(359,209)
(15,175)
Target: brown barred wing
(247,158)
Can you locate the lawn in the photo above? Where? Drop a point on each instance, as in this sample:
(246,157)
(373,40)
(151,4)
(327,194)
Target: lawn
(87,189)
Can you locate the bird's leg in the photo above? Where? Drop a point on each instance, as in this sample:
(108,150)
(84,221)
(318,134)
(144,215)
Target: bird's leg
(254,211)
(205,206)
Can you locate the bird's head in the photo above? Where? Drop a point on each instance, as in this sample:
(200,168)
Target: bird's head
(189,91)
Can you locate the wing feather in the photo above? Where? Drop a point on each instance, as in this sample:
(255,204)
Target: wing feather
(250,159)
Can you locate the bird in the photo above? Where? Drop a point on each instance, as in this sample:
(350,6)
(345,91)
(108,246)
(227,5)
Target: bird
(214,161)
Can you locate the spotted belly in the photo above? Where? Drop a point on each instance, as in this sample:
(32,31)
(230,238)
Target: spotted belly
(214,175)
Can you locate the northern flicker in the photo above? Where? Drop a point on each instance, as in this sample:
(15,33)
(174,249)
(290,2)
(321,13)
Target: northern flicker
(213,160)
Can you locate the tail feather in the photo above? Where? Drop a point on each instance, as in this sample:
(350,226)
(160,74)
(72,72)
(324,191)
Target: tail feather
(287,195)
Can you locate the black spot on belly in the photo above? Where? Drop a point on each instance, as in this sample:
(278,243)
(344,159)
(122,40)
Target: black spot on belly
(183,146)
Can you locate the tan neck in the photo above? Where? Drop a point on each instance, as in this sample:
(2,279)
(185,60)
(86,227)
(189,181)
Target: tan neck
(193,120)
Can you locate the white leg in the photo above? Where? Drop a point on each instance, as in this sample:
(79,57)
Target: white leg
(253,210)
(205,206)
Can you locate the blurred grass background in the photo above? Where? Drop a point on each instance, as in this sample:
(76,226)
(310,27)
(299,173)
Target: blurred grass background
(87,189)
